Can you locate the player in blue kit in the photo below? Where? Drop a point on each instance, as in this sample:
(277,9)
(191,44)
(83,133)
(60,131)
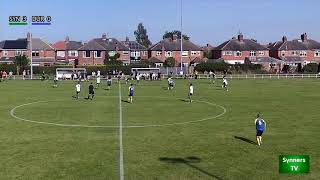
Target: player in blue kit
(131,92)
(260,127)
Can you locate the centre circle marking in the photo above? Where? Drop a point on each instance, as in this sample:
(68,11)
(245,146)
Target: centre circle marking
(12,113)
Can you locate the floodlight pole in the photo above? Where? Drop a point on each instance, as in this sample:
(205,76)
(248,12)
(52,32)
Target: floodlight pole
(31,64)
(181,38)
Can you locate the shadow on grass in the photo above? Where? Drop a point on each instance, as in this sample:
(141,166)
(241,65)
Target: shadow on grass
(245,140)
(184,100)
(125,101)
(189,161)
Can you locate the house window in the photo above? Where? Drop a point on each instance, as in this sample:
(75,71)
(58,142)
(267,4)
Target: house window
(168,54)
(112,53)
(97,54)
(61,53)
(253,53)
(261,53)
(35,53)
(135,54)
(294,53)
(5,53)
(226,53)
(125,52)
(145,53)
(238,53)
(86,54)
(185,53)
(317,53)
(195,53)
(303,53)
(18,53)
(283,53)
(159,53)
(73,53)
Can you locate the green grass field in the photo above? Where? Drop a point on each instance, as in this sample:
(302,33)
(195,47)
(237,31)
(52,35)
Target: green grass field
(158,141)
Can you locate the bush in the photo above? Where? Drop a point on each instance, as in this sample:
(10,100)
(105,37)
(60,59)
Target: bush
(212,66)
(310,68)
(47,69)
(170,62)
(8,68)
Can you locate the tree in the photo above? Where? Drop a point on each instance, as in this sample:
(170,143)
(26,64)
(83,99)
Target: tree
(112,60)
(175,32)
(170,62)
(21,62)
(142,36)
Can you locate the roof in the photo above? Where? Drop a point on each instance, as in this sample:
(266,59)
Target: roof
(73,45)
(134,45)
(111,44)
(207,47)
(14,44)
(1,44)
(259,60)
(174,45)
(91,45)
(155,60)
(297,44)
(7,59)
(240,45)
(43,60)
(39,44)
(60,45)
(196,60)
(293,59)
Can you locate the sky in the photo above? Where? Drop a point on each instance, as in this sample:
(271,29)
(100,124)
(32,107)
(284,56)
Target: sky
(205,21)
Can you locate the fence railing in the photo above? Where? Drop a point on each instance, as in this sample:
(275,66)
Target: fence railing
(250,76)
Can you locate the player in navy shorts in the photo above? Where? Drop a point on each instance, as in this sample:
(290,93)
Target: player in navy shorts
(260,127)
(131,92)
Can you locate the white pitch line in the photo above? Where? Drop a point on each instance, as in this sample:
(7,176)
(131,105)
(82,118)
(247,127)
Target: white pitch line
(12,113)
(120,138)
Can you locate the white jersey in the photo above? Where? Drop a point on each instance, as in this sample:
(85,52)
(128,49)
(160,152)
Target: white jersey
(98,80)
(191,89)
(225,81)
(138,77)
(98,73)
(78,87)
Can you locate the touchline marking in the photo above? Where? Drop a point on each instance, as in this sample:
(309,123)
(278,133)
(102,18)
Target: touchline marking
(12,113)
(120,137)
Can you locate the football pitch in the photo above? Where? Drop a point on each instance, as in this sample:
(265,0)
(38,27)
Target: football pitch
(47,134)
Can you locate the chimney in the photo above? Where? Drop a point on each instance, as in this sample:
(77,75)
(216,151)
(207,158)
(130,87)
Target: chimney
(284,39)
(240,37)
(28,36)
(174,37)
(127,39)
(67,39)
(104,36)
(304,37)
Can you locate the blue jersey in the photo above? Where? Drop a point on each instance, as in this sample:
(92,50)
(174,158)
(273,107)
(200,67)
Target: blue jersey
(260,124)
(131,90)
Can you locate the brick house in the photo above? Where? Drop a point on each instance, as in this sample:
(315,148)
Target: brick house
(137,51)
(170,47)
(9,49)
(296,51)
(67,51)
(43,54)
(237,50)
(94,52)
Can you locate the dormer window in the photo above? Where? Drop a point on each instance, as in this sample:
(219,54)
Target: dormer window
(159,53)
(238,54)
